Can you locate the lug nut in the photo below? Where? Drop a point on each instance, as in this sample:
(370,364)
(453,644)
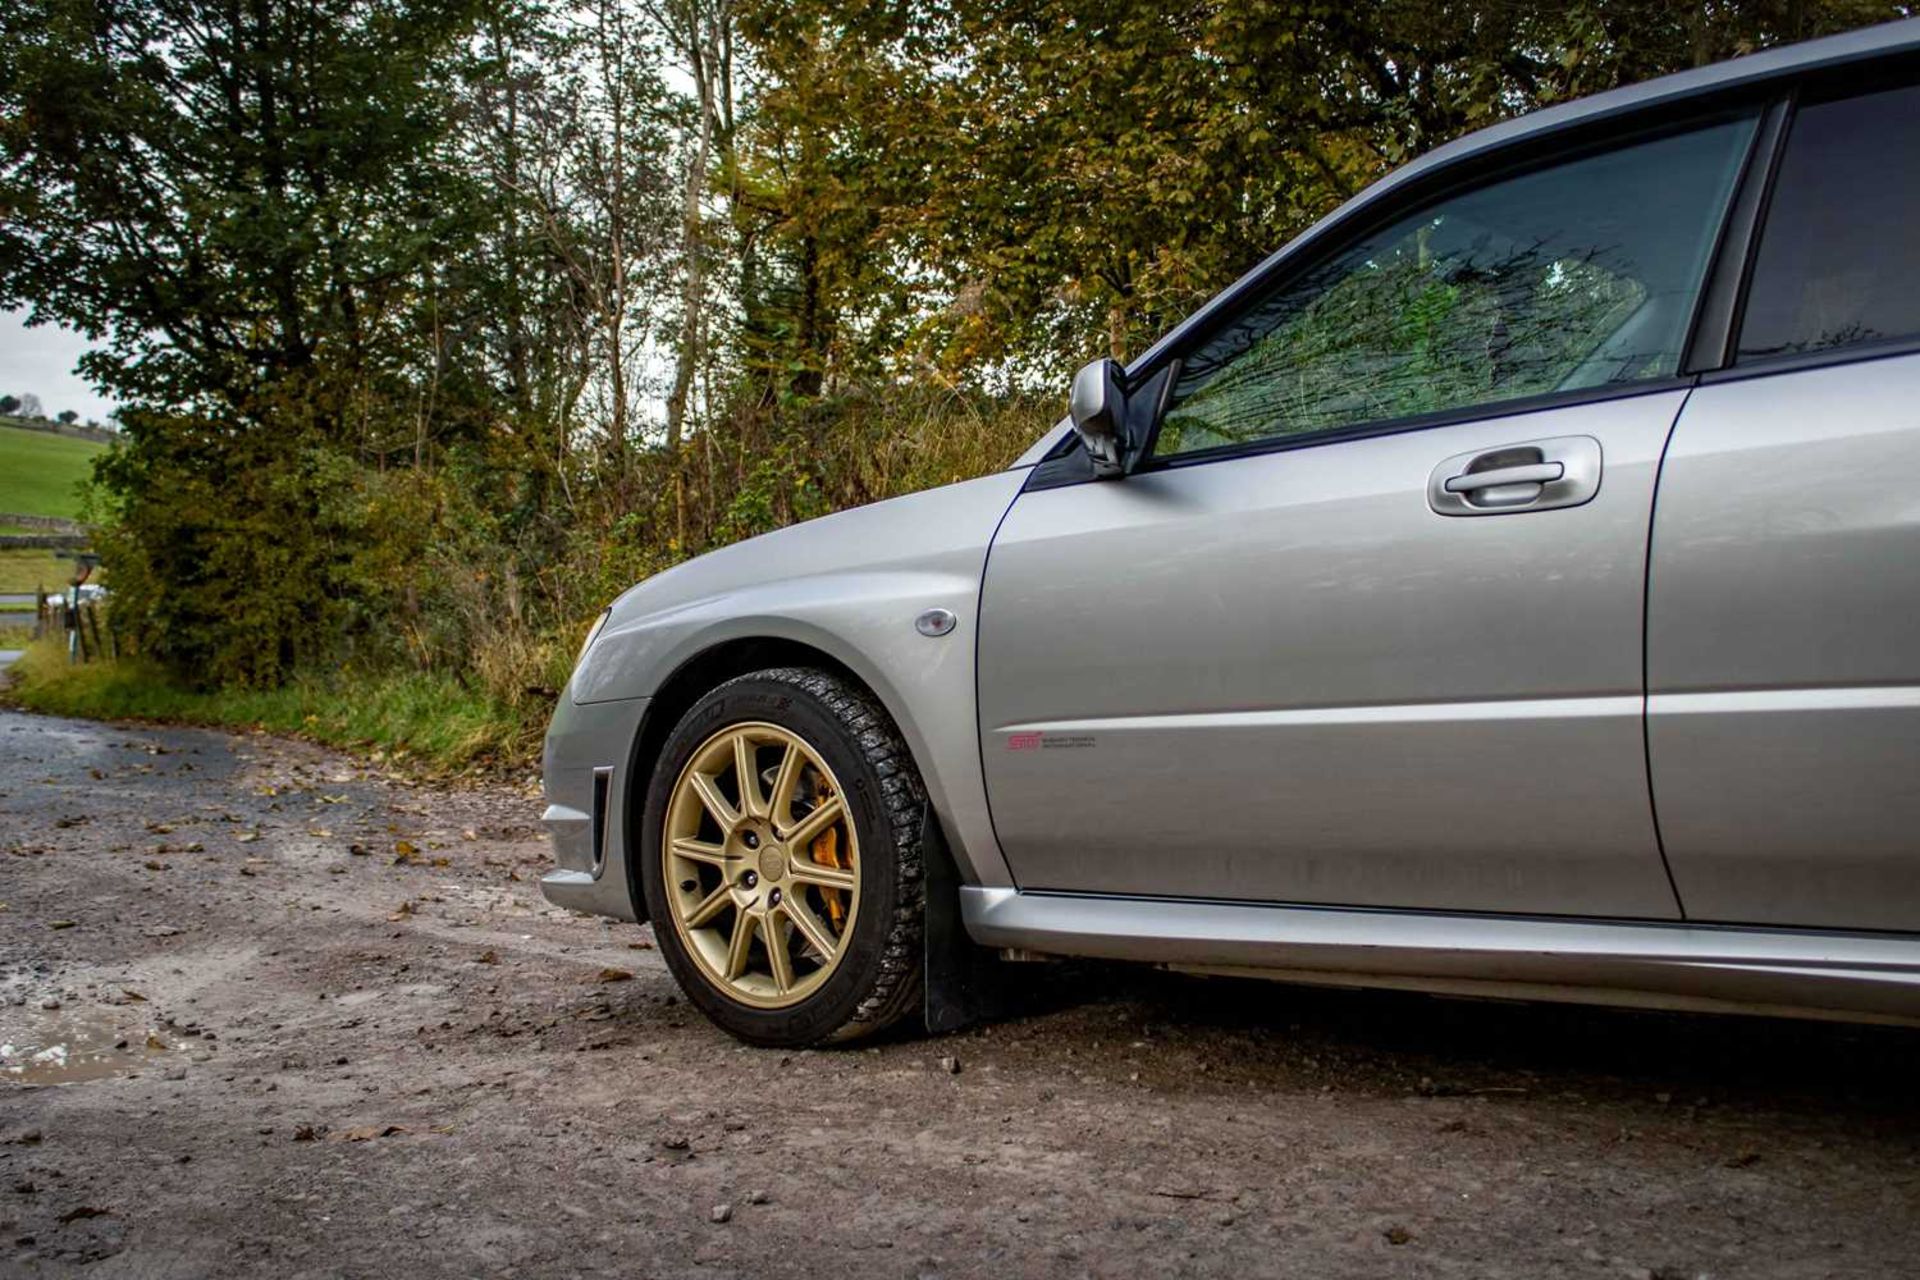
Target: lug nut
(749,880)
(773,899)
(750,840)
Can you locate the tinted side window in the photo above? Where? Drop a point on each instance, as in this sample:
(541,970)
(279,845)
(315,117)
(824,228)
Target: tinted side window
(1839,261)
(1563,278)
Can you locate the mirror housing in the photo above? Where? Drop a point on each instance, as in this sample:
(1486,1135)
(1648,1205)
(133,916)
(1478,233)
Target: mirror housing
(1098,408)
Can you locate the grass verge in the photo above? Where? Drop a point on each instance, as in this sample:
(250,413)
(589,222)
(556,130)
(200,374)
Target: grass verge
(425,722)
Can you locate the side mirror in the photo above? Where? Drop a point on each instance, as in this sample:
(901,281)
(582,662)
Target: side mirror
(1098,407)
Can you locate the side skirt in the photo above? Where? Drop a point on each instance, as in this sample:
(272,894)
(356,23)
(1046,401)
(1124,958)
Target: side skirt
(1806,973)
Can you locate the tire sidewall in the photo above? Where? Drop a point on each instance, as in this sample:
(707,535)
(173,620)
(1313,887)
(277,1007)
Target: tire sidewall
(775,701)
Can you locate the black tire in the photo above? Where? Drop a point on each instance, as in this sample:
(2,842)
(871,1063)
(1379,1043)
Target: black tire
(877,981)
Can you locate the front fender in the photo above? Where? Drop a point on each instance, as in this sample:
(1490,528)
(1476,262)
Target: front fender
(850,586)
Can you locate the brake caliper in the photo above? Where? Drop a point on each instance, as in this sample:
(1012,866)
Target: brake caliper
(826,852)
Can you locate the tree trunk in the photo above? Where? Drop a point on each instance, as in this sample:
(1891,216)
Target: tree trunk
(702,57)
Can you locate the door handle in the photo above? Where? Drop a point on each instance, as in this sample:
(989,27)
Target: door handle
(1537,473)
(1530,475)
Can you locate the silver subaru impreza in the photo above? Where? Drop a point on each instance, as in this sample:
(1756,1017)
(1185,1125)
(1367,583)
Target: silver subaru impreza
(1512,586)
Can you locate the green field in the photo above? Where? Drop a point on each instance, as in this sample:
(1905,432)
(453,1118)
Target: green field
(24,570)
(40,472)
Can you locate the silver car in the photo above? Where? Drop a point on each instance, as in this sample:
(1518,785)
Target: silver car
(1511,587)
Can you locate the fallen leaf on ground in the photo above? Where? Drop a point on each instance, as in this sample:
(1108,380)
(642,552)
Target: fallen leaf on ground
(368,1132)
(615,975)
(63,924)
(84,1211)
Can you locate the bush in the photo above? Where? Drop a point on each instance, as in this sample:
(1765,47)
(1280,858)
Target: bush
(248,555)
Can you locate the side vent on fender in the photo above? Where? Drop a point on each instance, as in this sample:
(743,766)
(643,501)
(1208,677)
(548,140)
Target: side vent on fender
(602,796)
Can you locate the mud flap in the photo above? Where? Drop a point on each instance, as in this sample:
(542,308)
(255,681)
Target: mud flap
(964,982)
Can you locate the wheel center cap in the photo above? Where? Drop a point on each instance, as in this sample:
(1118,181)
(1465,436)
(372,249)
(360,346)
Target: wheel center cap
(773,862)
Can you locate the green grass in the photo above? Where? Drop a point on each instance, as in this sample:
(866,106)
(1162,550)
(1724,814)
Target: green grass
(40,472)
(23,570)
(428,722)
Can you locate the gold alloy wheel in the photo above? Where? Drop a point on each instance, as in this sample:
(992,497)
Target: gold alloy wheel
(761,865)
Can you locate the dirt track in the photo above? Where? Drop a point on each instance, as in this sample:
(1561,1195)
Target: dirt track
(362,1063)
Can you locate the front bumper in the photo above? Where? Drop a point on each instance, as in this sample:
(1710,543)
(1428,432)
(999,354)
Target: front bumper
(586,773)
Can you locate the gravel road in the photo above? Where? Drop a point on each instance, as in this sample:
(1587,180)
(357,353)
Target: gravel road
(268,1010)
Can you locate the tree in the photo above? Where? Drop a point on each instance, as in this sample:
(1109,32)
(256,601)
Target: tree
(67,417)
(230,195)
(1028,173)
(29,406)
(253,206)
(9,405)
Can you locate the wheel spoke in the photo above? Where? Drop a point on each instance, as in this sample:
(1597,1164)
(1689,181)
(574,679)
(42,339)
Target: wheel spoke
(733,805)
(810,927)
(823,816)
(747,775)
(716,804)
(710,906)
(738,945)
(780,803)
(807,872)
(774,938)
(700,851)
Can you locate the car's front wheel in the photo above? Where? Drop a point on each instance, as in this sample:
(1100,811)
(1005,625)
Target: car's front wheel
(780,859)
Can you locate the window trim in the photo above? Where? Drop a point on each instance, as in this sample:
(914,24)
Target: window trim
(1547,153)
(1722,305)
(1825,358)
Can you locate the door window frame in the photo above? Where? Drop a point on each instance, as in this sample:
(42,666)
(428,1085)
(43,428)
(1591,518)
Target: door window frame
(1414,202)
(1711,328)
(1813,89)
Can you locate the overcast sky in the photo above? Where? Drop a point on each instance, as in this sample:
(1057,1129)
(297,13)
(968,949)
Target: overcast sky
(41,361)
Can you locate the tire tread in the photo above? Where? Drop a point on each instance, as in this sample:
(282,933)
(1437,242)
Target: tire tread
(870,730)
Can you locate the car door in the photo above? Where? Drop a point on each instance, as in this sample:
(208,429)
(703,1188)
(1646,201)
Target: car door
(1783,643)
(1366,626)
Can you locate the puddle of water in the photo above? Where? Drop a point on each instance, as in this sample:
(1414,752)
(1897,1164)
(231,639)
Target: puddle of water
(42,1047)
